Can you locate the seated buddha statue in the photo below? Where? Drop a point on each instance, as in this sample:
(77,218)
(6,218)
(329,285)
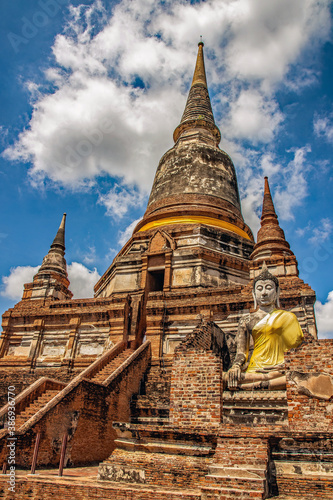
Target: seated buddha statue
(274,332)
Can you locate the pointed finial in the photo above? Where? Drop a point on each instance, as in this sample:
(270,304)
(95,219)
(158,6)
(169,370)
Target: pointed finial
(201,42)
(199,76)
(59,240)
(63,220)
(268,205)
(198,110)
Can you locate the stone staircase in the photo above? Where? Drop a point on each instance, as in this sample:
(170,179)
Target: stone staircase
(255,407)
(114,376)
(38,403)
(108,369)
(151,405)
(239,470)
(227,483)
(34,407)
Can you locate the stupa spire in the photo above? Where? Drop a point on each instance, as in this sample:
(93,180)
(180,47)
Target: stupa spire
(271,240)
(55,260)
(51,280)
(59,240)
(198,112)
(193,229)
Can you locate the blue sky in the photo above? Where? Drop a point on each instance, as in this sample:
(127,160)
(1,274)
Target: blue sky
(91,92)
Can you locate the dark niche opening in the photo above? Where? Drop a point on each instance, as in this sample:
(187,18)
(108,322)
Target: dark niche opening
(156,280)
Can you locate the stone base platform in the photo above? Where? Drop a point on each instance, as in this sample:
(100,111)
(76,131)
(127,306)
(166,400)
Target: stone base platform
(81,484)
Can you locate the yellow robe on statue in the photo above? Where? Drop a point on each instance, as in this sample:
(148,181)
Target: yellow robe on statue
(275,334)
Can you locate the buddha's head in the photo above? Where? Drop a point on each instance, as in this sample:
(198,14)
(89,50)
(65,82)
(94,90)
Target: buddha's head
(266,290)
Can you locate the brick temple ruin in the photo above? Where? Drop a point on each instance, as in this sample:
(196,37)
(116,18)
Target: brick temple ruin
(126,388)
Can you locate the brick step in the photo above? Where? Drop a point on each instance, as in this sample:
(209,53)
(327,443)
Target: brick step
(144,401)
(282,497)
(151,405)
(161,412)
(150,400)
(242,464)
(218,493)
(248,472)
(241,483)
(112,366)
(35,406)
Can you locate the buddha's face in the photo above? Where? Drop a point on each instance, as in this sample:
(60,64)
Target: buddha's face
(265,292)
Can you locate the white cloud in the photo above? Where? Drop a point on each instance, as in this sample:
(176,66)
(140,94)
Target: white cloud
(121,83)
(120,199)
(317,233)
(324,316)
(323,127)
(125,235)
(12,287)
(90,256)
(295,188)
(82,280)
(253,117)
(269,36)
(252,198)
(322,232)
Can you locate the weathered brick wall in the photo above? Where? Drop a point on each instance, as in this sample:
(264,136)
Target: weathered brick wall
(308,412)
(241,452)
(309,488)
(195,395)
